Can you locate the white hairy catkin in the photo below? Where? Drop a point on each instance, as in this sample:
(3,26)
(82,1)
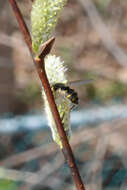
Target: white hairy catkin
(56,70)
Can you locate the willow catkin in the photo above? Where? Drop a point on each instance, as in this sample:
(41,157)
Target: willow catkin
(44,17)
(56,72)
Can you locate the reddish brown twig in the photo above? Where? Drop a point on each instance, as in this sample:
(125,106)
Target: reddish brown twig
(39,63)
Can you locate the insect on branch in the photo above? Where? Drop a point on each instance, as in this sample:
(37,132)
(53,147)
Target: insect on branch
(39,63)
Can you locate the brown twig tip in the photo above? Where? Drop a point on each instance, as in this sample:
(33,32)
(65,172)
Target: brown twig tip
(45,48)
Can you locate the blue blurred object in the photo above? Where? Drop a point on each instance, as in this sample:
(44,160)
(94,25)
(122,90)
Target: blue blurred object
(38,121)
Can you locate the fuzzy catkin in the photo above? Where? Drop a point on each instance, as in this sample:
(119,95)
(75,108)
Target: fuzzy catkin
(56,73)
(44,17)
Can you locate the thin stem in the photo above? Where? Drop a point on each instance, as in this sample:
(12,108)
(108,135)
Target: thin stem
(39,63)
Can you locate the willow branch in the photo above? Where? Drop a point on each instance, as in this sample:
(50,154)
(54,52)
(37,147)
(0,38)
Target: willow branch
(39,63)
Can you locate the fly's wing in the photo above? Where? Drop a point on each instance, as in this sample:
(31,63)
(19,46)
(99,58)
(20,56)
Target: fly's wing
(80,82)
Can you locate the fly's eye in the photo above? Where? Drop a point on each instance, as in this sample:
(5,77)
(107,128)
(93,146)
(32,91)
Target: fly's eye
(57,86)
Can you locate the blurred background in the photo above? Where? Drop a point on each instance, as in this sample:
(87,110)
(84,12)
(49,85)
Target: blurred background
(91,37)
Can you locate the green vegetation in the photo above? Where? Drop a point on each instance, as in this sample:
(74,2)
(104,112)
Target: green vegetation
(8,185)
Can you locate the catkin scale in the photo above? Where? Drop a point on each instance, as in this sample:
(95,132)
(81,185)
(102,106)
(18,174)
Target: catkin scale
(44,17)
